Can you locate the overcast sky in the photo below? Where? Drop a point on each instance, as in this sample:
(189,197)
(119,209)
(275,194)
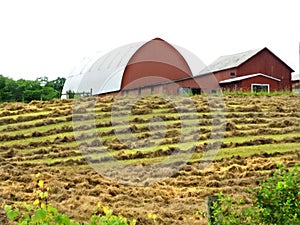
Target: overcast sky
(48,38)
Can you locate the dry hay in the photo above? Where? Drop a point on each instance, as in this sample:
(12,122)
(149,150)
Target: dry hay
(77,187)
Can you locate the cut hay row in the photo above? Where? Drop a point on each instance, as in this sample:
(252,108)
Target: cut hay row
(38,137)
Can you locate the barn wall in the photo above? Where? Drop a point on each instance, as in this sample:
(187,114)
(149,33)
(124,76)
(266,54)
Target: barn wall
(158,89)
(265,62)
(152,62)
(146,73)
(236,86)
(146,91)
(225,74)
(246,84)
(171,89)
(132,92)
(207,83)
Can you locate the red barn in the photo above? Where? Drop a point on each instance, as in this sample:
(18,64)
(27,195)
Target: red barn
(255,70)
(158,67)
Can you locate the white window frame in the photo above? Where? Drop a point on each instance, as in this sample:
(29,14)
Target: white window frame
(268,85)
(232,74)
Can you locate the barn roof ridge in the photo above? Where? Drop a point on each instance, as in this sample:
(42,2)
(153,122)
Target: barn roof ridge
(234,60)
(230,61)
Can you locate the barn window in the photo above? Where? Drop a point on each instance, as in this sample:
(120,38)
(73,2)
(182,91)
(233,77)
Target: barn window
(214,91)
(232,74)
(260,88)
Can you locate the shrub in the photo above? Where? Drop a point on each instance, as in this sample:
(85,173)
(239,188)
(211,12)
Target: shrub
(227,211)
(278,198)
(275,201)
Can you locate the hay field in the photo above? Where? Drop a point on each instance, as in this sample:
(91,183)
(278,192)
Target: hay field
(76,146)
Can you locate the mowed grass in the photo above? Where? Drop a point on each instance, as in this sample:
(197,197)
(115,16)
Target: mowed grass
(250,150)
(247,127)
(216,153)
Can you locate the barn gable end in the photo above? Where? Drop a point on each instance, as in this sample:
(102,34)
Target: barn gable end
(252,62)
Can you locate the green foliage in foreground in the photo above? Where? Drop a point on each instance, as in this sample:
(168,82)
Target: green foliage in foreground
(40,212)
(46,214)
(275,202)
(244,93)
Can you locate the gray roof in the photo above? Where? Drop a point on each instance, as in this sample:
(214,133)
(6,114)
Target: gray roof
(236,79)
(230,61)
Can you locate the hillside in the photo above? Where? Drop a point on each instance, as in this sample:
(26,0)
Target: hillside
(131,154)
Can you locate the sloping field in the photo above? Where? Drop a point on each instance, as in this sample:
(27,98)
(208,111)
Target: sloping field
(152,155)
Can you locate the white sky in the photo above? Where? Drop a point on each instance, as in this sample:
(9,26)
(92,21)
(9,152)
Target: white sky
(48,38)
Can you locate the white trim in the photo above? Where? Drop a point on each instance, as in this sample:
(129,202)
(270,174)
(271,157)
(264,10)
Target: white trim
(247,77)
(268,85)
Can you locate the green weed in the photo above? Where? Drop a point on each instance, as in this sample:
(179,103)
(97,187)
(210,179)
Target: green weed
(42,213)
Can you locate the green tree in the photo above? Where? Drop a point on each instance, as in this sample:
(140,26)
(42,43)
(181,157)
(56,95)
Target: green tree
(57,85)
(2,85)
(27,90)
(2,81)
(7,88)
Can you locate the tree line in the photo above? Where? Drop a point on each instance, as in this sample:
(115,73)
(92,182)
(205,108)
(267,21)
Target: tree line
(27,90)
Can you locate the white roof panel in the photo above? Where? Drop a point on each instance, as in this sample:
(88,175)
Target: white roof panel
(101,73)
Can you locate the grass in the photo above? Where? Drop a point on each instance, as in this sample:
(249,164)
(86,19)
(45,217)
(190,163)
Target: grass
(241,93)
(252,137)
(250,150)
(248,130)
(27,114)
(221,153)
(189,179)
(38,129)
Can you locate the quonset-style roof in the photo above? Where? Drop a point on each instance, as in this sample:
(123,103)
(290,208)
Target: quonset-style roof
(237,79)
(103,73)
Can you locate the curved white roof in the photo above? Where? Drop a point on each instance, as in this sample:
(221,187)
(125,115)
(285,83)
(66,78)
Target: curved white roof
(103,72)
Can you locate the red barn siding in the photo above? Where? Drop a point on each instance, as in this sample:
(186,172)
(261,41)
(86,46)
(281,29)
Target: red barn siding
(207,83)
(245,85)
(147,73)
(267,63)
(236,86)
(224,74)
(156,58)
